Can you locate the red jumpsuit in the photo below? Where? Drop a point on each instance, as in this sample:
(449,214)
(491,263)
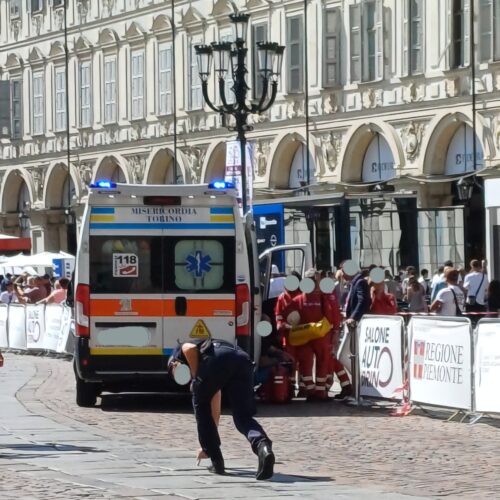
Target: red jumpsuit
(335,365)
(313,307)
(283,328)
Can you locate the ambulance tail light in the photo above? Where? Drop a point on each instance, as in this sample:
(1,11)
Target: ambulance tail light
(82,311)
(242,311)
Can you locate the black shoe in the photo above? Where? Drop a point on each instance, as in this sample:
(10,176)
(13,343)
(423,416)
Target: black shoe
(217,466)
(344,393)
(266,461)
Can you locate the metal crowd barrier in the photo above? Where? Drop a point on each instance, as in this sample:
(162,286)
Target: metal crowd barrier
(36,328)
(433,361)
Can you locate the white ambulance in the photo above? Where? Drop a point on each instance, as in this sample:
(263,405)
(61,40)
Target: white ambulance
(158,265)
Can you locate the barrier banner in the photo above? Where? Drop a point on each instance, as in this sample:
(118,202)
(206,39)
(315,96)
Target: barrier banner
(4,314)
(487,366)
(380,356)
(16,325)
(65,343)
(35,326)
(53,326)
(440,361)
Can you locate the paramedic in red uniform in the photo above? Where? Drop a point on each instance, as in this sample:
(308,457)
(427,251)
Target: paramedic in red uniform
(335,365)
(313,307)
(283,327)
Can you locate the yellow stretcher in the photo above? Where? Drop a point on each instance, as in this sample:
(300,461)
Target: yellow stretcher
(302,334)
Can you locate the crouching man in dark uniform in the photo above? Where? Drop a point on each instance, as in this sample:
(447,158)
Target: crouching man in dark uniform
(218,365)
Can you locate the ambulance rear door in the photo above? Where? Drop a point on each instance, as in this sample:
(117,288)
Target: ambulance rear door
(200,272)
(127,282)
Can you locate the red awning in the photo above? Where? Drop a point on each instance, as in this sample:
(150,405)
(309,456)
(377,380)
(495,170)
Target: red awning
(15,244)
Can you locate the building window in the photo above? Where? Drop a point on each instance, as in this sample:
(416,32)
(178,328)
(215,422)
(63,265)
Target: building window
(110,89)
(16,115)
(331,47)
(38,104)
(137,84)
(15,8)
(367,41)
(195,94)
(295,50)
(259,34)
(489,30)
(413,24)
(36,5)
(165,79)
(85,95)
(459,39)
(60,99)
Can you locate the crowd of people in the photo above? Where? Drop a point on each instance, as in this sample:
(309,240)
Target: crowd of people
(32,289)
(450,292)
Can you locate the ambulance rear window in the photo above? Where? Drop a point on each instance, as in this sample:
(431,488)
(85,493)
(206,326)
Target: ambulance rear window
(203,264)
(126,264)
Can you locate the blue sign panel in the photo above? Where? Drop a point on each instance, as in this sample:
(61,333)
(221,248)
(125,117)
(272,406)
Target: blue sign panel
(270,228)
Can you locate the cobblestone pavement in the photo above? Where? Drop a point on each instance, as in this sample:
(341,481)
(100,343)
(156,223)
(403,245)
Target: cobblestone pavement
(322,449)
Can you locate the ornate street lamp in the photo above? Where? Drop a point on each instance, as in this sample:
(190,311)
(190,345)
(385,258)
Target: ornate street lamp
(465,188)
(24,221)
(229,62)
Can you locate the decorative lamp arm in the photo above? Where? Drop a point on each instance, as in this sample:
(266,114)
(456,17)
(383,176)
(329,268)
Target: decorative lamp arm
(274,91)
(204,89)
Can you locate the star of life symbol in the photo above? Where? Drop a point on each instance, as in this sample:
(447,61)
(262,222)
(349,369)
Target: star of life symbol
(198,264)
(418,358)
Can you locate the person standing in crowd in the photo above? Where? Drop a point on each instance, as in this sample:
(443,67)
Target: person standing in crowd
(381,302)
(6,279)
(283,328)
(493,296)
(312,308)
(449,300)
(35,292)
(216,366)
(358,301)
(415,296)
(411,272)
(440,281)
(341,288)
(476,284)
(47,283)
(425,282)
(391,286)
(336,367)
(8,296)
(58,296)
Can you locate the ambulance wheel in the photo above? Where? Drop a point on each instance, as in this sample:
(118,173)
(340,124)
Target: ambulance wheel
(86,393)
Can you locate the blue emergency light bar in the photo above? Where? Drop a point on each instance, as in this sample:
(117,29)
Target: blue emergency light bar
(103,184)
(220,184)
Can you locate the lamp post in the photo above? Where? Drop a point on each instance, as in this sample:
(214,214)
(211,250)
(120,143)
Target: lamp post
(230,63)
(69,215)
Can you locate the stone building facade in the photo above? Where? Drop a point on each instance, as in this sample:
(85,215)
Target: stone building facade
(376,118)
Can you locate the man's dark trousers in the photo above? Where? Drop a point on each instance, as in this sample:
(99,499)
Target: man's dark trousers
(229,369)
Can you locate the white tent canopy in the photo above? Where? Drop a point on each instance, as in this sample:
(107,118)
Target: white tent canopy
(20,263)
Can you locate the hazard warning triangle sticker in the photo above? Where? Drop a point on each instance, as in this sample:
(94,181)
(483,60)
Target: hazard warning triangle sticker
(200,330)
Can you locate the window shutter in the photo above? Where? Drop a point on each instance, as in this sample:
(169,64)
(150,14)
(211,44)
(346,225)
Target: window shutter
(466,48)
(496,30)
(295,38)
(485,29)
(355,42)
(5,112)
(331,47)
(406,37)
(16,109)
(416,36)
(379,40)
(449,49)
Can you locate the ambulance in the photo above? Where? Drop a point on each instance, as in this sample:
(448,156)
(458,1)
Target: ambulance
(158,265)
